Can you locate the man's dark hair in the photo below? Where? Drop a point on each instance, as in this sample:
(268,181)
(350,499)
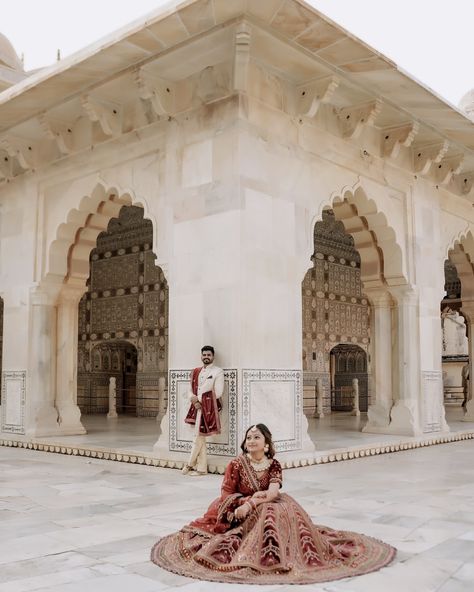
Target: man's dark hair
(207,348)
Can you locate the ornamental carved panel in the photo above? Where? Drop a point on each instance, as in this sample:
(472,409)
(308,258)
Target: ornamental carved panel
(334,308)
(114,314)
(119,272)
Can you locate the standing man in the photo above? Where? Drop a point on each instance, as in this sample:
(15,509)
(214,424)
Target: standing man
(207,386)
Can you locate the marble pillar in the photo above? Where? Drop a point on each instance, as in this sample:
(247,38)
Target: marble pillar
(235,283)
(405,414)
(378,413)
(69,415)
(468,311)
(14,361)
(41,414)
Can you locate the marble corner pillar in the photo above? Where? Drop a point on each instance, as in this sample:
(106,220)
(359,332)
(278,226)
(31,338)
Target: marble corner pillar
(405,414)
(14,362)
(468,311)
(235,283)
(69,414)
(378,413)
(41,414)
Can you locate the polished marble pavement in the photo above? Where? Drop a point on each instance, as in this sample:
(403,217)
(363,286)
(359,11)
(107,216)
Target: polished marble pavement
(72,524)
(137,435)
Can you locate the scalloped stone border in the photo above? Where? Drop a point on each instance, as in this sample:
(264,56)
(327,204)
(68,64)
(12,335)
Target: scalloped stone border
(336,455)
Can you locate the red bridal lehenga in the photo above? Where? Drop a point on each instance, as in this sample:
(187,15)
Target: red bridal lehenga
(277,543)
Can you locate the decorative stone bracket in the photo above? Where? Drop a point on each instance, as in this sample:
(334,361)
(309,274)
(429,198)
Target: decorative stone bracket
(449,166)
(107,114)
(396,137)
(353,119)
(159,93)
(241,57)
(425,156)
(462,183)
(312,96)
(18,150)
(60,133)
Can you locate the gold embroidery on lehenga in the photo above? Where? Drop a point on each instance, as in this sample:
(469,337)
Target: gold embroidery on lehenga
(277,543)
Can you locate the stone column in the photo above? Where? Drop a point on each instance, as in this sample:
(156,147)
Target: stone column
(235,283)
(355,392)
(66,357)
(405,414)
(468,310)
(319,412)
(16,337)
(41,414)
(381,361)
(112,414)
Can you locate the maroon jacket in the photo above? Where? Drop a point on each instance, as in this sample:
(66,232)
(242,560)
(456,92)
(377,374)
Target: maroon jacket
(210,424)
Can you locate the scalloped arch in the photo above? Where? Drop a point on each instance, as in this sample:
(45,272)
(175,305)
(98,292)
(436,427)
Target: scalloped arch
(375,240)
(461,254)
(68,254)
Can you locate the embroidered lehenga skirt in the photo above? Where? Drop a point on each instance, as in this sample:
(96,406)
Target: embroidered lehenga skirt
(276,544)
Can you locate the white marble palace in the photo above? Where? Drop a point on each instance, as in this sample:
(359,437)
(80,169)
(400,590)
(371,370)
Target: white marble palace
(246,174)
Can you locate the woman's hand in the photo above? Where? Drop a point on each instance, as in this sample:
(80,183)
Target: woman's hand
(260,495)
(242,511)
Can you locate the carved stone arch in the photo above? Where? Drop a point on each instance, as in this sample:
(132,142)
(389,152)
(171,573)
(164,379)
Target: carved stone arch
(461,254)
(374,239)
(68,254)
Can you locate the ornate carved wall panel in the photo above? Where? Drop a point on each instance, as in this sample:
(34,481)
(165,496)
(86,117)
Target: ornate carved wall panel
(334,308)
(127,299)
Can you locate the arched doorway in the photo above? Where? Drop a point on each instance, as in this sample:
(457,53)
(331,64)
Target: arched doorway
(335,310)
(348,362)
(455,345)
(110,359)
(459,298)
(123,321)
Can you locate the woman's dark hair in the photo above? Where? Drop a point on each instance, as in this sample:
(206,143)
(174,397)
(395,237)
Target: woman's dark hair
(266,434)
(207,348)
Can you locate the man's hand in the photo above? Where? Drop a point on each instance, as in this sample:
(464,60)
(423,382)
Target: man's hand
(194,399)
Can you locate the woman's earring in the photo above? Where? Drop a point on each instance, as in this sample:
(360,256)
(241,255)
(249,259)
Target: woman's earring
(266,448)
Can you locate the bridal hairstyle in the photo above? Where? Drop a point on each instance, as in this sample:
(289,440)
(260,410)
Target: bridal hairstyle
(266,434)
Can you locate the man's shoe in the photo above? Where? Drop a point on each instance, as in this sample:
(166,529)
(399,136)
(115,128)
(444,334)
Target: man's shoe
(185,470)
(196,474)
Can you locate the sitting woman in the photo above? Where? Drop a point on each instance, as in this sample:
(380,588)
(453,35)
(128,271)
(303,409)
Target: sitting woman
(254,534)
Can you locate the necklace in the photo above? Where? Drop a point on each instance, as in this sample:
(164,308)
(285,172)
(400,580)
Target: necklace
(259,465)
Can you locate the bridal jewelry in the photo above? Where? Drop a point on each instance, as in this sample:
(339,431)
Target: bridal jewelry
(259,465)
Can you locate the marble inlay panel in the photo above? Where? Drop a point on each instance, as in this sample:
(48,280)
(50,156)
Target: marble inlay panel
(182,435)
(433,401)
(270,395)
(120,313)
(13,401)
(107,276)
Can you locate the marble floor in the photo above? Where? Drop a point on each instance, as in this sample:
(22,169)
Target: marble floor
(69,524)
(337,431)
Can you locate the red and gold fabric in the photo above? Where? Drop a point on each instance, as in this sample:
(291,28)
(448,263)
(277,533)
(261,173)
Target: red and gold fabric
(277,543)
(209,420)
